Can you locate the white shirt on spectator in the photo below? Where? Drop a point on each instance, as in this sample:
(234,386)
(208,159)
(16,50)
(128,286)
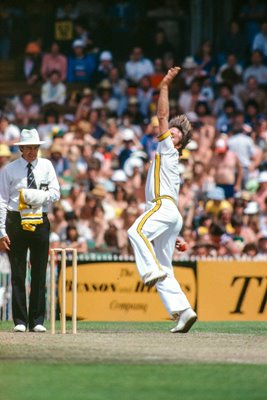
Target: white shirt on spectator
(53,93)
(11,133)
(135,70)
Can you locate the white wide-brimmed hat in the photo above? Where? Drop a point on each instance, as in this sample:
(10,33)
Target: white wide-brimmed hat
(29,137)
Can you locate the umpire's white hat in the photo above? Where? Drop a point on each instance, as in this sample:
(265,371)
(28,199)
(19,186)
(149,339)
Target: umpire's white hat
(29,137)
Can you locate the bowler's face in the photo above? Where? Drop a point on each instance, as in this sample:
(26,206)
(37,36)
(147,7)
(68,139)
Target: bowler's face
(176,137)
(29,153)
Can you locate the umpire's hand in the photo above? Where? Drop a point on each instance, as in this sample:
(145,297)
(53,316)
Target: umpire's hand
(5,243)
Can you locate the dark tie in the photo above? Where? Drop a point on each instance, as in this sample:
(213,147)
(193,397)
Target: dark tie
(30,178)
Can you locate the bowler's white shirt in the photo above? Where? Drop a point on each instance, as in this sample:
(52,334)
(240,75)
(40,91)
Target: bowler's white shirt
(13,177)
(165,180)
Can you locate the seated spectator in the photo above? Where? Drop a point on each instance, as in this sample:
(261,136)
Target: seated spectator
(149,140)
(138,66)
(220,238)
(252,91)
(216,202)
(189,72)
(9,133)
(98,223)
(32,63)
(74,240)
(27,112)
(5,154)
(260,41)
(54,61)
(188,99)
(225,94)
(94,118)
(202,249)
(230,72)
(119,89)
(256,69)
(53,91)
(226,119)
(144,95)
(81,66)
(250,250)
(60,163)
(252,115)
(241,230)
(85,104)
(158,74)
(104,67)
(50,127)
(75,200)
(105,99)
(58,220)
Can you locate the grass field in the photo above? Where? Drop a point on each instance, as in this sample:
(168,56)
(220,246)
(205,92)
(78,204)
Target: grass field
(214,361)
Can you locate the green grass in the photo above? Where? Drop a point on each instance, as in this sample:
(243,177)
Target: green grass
(34,380)
(119,382)
(248,327)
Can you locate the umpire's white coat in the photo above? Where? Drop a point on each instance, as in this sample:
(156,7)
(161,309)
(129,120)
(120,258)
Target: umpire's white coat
(160,224)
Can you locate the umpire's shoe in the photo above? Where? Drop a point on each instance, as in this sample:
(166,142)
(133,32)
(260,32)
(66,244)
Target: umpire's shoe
(186,319)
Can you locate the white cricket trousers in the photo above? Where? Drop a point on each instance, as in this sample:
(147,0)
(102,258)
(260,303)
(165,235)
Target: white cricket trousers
(160,224)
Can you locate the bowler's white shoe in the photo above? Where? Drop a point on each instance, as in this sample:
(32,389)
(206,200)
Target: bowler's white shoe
(20,328)
(186,319)
(154,277)
(39,328)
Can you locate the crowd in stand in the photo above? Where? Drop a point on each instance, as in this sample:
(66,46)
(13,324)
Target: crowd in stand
(102,135)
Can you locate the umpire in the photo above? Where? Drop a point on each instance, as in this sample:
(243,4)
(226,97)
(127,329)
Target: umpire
(28,186)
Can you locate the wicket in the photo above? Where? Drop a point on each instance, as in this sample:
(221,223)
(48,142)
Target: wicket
(63,253)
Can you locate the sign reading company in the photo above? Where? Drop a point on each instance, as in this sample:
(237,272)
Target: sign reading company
(232,290)
(113,291)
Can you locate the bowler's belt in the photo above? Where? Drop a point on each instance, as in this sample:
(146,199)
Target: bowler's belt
(164,197)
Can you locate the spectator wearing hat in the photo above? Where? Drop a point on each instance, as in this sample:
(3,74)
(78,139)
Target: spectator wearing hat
(54,61)
(216,201)
(226,169)
(251,216)
(85,104)
(104,67)
(53,90)
(5,154)
(256,68)
(26,110)
(105,99)
(149,140)
(9,133)
(32,63)
(81,66)
(138,66)
(32,182)
(59,162)
(128,146)
(189,72)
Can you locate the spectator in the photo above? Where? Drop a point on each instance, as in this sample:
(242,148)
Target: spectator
(243,146)
(261,193)
(9,133)
(4,155)
(252,91)
(60,163)
(225,95)
(159,45)
(216,202)
(189,98)
(149,140)
(138,66)
(227,170)
(27,111)
(32,63)
(81,66)
(85,104)
(53,91)
(256,69)
(54,61)
(105,99)
(260,41)
(189,72)
(144,95)
(230,72)
(74,240)
(204,59)
(242,231)
(104,67)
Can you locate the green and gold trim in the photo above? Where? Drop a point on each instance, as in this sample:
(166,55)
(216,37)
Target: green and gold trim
(164,136)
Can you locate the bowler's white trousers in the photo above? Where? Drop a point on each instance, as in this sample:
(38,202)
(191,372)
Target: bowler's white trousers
(160,224)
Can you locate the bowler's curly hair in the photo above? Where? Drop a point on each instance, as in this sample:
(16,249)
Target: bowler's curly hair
(182,123)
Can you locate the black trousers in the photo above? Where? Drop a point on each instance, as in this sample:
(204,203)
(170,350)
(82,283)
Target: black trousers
(38,244)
